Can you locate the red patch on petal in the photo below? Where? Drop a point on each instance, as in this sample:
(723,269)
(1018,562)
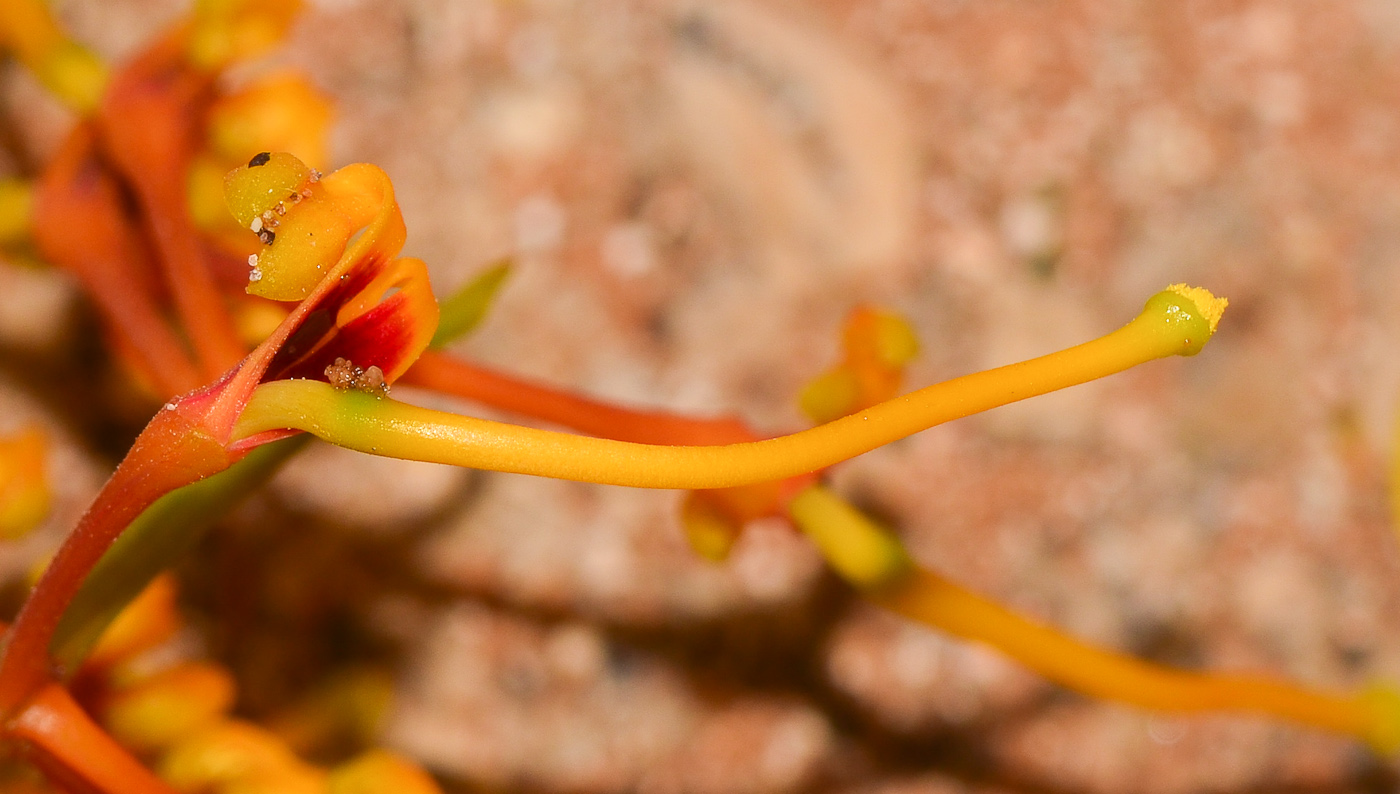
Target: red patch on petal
(389,334)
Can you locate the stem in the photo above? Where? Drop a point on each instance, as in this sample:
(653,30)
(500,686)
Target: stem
(171,452)
(875,561)
(1170,324)
(152,543)
(79,225)
(75,753)
(928,598)
(149,123)
(197,300)
(486,386)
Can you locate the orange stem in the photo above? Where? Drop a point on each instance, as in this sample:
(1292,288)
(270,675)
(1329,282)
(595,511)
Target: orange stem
(483,385)
(174,450)
(490,387)
(150,122)
(79,225)
(926,597)
(75,753)
(201,308)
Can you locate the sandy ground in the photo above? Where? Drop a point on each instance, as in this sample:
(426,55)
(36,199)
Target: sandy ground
(696,194)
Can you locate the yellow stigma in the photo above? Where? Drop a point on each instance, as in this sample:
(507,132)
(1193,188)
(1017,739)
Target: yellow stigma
(1207,304)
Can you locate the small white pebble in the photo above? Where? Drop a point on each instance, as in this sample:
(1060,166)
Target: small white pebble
(252,260)
(170,406)
(257,225)
(255,275)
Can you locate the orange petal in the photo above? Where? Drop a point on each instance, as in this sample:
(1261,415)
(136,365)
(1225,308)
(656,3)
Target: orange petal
(876,346)
(149,620)
(24,487)
(279,112)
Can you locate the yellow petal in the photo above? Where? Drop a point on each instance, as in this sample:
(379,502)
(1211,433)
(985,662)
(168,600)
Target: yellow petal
(280,112)
(229,30)
(161,710)
(381,772)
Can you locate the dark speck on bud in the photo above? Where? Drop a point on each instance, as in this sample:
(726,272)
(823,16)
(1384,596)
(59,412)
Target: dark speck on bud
(260,158)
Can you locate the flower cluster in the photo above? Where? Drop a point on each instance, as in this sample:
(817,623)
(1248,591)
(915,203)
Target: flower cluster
(257,375)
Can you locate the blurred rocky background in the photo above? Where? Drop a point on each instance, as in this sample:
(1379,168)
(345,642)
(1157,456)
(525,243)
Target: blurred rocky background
(695,194)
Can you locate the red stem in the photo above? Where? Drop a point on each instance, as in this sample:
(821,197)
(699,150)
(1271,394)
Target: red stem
(171,452)
(526,398)
(62,740)
(150,122)
(197,299)
(79,224)
(479,384)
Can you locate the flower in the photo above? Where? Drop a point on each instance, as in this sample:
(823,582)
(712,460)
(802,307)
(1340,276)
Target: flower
(359,302)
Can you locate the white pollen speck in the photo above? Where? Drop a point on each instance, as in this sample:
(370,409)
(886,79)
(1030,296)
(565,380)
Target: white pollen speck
(252,260)
(257,225)
(255,275)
